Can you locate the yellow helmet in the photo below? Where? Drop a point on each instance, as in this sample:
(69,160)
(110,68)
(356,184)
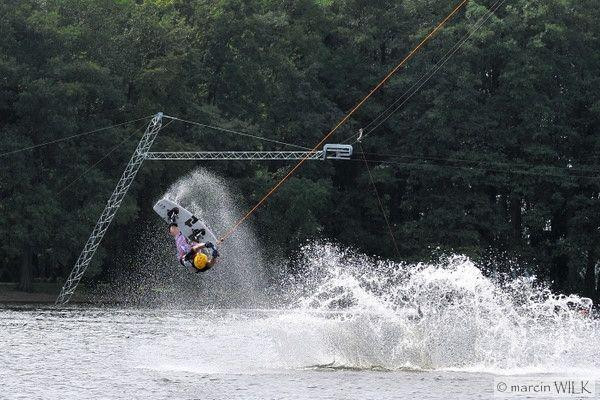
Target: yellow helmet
(200,260)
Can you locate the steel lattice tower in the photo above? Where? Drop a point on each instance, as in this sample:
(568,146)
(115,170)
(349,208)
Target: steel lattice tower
(110,209)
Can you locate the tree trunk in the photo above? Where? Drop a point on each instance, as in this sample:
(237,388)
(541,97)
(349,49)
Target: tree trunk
(559,272)
(515,219)
(589,284)
(26,274)
(130,92)
(382,52)
(596,297)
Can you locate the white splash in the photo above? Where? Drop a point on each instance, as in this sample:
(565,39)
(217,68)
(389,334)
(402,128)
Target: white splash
(351,311)
(238,277)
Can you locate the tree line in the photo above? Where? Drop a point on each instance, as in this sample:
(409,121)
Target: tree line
(496,155)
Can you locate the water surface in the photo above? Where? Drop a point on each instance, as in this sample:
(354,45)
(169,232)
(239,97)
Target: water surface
(100,353)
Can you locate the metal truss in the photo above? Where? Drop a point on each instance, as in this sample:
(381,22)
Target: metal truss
(330,152)
(110,209)
(141,153)
(234,155)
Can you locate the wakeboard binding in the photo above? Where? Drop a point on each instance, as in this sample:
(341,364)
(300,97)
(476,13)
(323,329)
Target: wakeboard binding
(197,235)
(172,214)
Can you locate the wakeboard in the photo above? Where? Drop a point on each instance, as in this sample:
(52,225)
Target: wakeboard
(189,225)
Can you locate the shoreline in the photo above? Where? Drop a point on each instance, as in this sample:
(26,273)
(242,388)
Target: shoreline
(43,293)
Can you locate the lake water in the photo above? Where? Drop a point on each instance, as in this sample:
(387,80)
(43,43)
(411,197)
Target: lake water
(113,353)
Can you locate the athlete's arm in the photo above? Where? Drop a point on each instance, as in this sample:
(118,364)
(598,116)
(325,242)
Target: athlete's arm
(198,246)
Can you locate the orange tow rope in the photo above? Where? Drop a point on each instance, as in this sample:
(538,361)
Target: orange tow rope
(343,120)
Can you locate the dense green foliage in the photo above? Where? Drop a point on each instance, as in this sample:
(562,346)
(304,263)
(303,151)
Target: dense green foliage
(496,154)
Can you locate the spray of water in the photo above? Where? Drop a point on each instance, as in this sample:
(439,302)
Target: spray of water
(152,276)
(350,311)
(238,277)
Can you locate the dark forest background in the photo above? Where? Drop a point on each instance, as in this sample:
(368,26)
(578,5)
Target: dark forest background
(496,156)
